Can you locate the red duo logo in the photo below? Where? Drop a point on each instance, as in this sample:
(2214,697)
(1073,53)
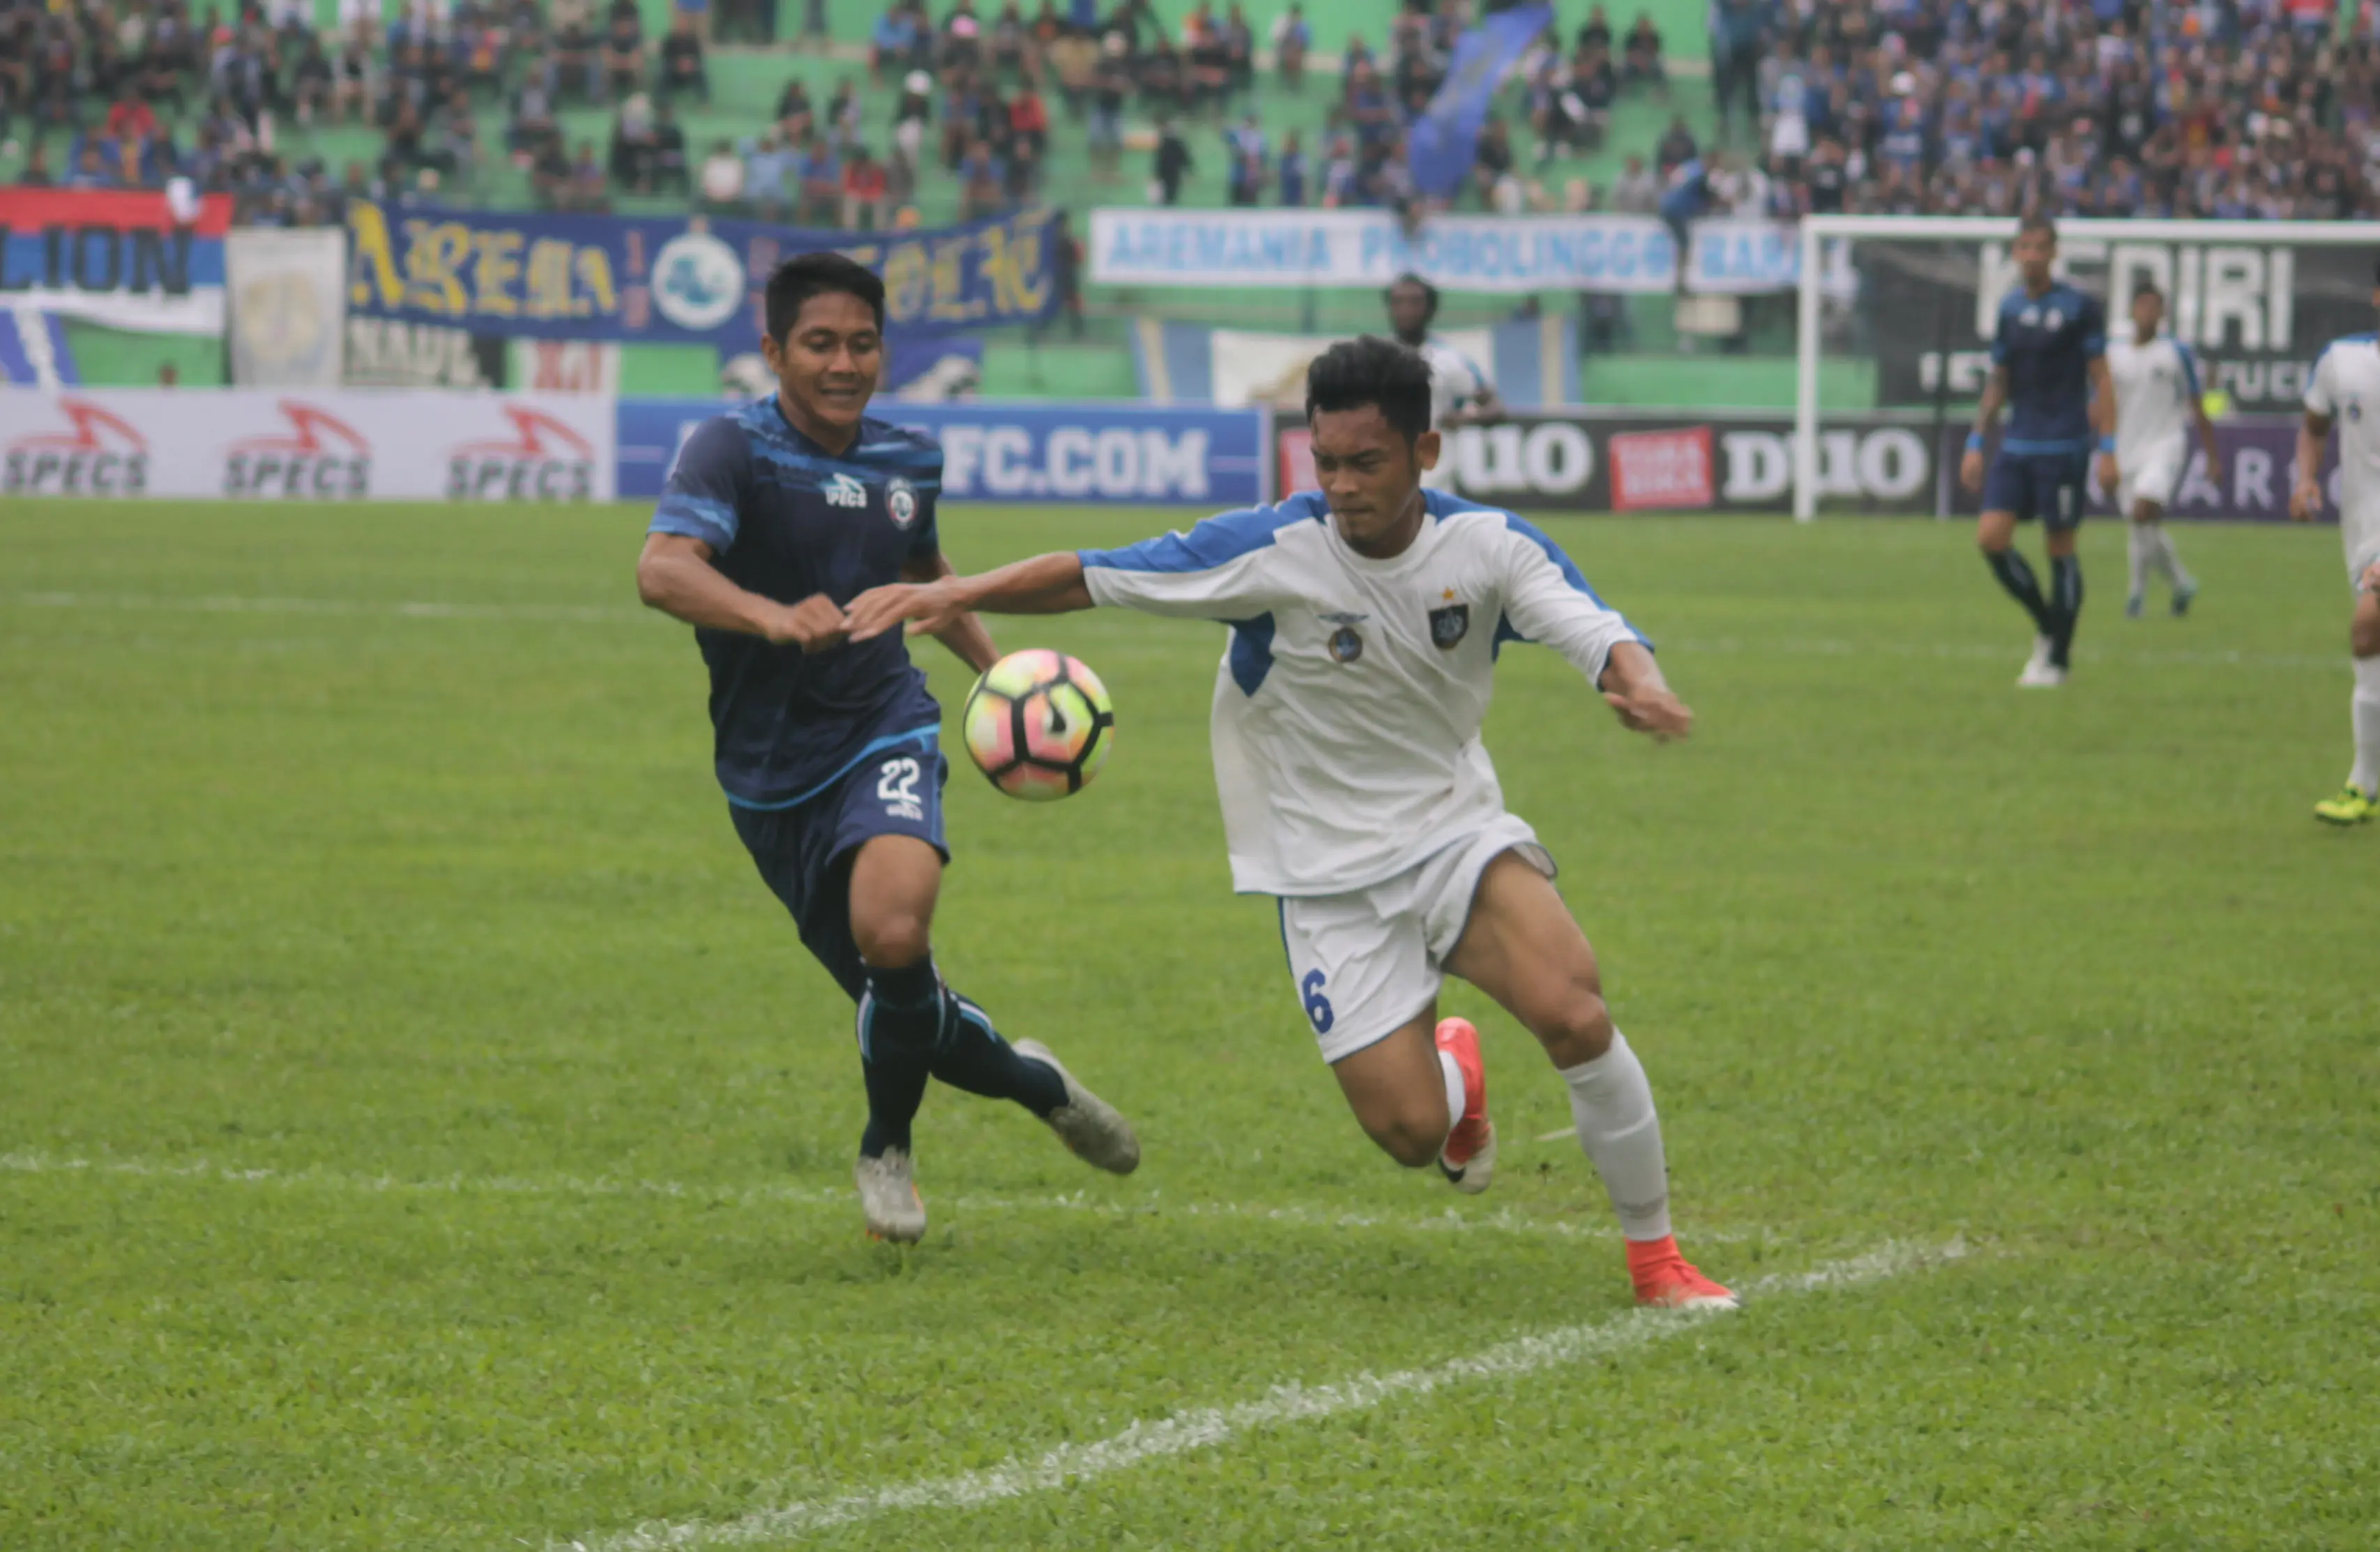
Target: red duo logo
(544,460)
(322,458)
(101,455)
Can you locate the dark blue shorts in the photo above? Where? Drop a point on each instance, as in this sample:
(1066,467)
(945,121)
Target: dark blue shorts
(2054,487)
(805,853)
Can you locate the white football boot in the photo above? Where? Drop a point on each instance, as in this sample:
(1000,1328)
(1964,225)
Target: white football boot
(1093,1130)
(2040,674)
(888,1195)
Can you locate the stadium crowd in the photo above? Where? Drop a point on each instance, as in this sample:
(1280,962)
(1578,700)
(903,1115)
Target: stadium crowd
(2228,108)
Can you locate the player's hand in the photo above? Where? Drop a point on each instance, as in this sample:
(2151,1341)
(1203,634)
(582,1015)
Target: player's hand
(929,607)
(815,625)
(2305,501)
(1652,709)
(2370,581)
(1971,470)
(2110,477)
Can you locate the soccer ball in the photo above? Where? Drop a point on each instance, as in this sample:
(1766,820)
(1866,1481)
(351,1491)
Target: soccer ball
(1038,724)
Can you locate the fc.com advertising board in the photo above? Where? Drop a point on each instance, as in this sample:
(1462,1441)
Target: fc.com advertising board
(340,444)
(1038,453)
(1883,464)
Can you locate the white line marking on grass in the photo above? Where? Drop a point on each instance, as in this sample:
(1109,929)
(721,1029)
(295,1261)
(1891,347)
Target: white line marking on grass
(1558,1136)
(1152,1205)
(1209,1427)
(2186,657)
(607,614)
(142,603)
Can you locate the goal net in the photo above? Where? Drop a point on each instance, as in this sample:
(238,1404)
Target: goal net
(1895,317)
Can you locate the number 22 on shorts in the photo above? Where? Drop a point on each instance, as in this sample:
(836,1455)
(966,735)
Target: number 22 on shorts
(896,788)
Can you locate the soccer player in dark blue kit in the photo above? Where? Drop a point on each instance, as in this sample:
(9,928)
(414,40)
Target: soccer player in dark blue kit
(2050,364)
(776,515)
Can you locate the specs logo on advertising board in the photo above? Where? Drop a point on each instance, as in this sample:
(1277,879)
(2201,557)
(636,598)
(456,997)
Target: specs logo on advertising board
(321,458)
(697,282)
(103,455)
(546,461)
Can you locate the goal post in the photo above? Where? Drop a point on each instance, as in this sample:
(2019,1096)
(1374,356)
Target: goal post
(1916,297)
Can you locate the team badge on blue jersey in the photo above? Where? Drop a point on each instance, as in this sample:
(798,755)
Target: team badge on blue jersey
(1449,625)
(1345,645)
(900,501)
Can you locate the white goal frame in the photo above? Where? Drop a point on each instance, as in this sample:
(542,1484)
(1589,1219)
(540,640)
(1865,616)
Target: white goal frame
(1817,229)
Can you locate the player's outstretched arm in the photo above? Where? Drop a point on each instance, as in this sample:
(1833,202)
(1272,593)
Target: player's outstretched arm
(968,638)
(674,575)
(1045,584)
(1633,685)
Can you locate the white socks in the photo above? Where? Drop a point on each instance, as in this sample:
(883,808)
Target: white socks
(2366,707)
(2149,549)
(1454,1077)
(1612,1104)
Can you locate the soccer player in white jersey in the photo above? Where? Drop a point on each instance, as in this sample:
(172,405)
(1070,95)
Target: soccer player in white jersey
(1460,390)
(2157,404)
(1366,618)
(2346,393)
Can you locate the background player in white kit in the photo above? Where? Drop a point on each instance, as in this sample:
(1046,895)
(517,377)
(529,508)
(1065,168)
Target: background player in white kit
(1460,390)
(1365,620)
(2158,403)
(2346,393)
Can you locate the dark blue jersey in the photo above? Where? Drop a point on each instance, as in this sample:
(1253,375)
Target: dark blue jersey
(2046,345)
(788,519)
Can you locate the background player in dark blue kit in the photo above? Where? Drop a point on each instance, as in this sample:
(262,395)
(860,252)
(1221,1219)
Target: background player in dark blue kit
(2048,362)
(775,518)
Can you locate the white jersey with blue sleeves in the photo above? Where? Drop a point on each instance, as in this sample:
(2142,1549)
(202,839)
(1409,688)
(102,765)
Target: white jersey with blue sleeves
(2346,389)
(1349,697)
(2156,390)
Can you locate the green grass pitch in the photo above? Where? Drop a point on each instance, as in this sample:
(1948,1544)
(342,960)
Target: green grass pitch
(419,1129)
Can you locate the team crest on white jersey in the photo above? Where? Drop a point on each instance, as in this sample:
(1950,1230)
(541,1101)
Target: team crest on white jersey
(842,489)
(1449,625)
(900,501)
(1345,645)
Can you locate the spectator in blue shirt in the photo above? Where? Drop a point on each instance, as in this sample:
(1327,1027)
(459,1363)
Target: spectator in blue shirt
(1293,171)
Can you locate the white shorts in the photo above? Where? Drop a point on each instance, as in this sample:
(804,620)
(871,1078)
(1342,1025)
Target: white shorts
(2155,476)
(1367,963)
(2359,535)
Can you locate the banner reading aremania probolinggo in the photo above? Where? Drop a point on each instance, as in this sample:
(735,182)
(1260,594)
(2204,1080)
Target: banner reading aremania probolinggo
(673,280)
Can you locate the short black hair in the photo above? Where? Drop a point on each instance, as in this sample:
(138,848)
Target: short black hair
(2037,223)
(2147,287)
(1429,293)
(1371,370)
(819,274)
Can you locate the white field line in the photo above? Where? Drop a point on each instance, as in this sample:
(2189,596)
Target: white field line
(142,603)
(603,614)
(1284,1405)
(1153,1205)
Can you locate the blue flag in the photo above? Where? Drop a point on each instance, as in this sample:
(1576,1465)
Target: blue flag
(1439,146)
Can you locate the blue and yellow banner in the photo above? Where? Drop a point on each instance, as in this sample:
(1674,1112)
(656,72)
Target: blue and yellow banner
(673,281)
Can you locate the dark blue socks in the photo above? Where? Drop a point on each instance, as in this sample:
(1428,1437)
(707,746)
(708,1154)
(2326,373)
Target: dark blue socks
(912,1026)
(2065,605)
(2017,579)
